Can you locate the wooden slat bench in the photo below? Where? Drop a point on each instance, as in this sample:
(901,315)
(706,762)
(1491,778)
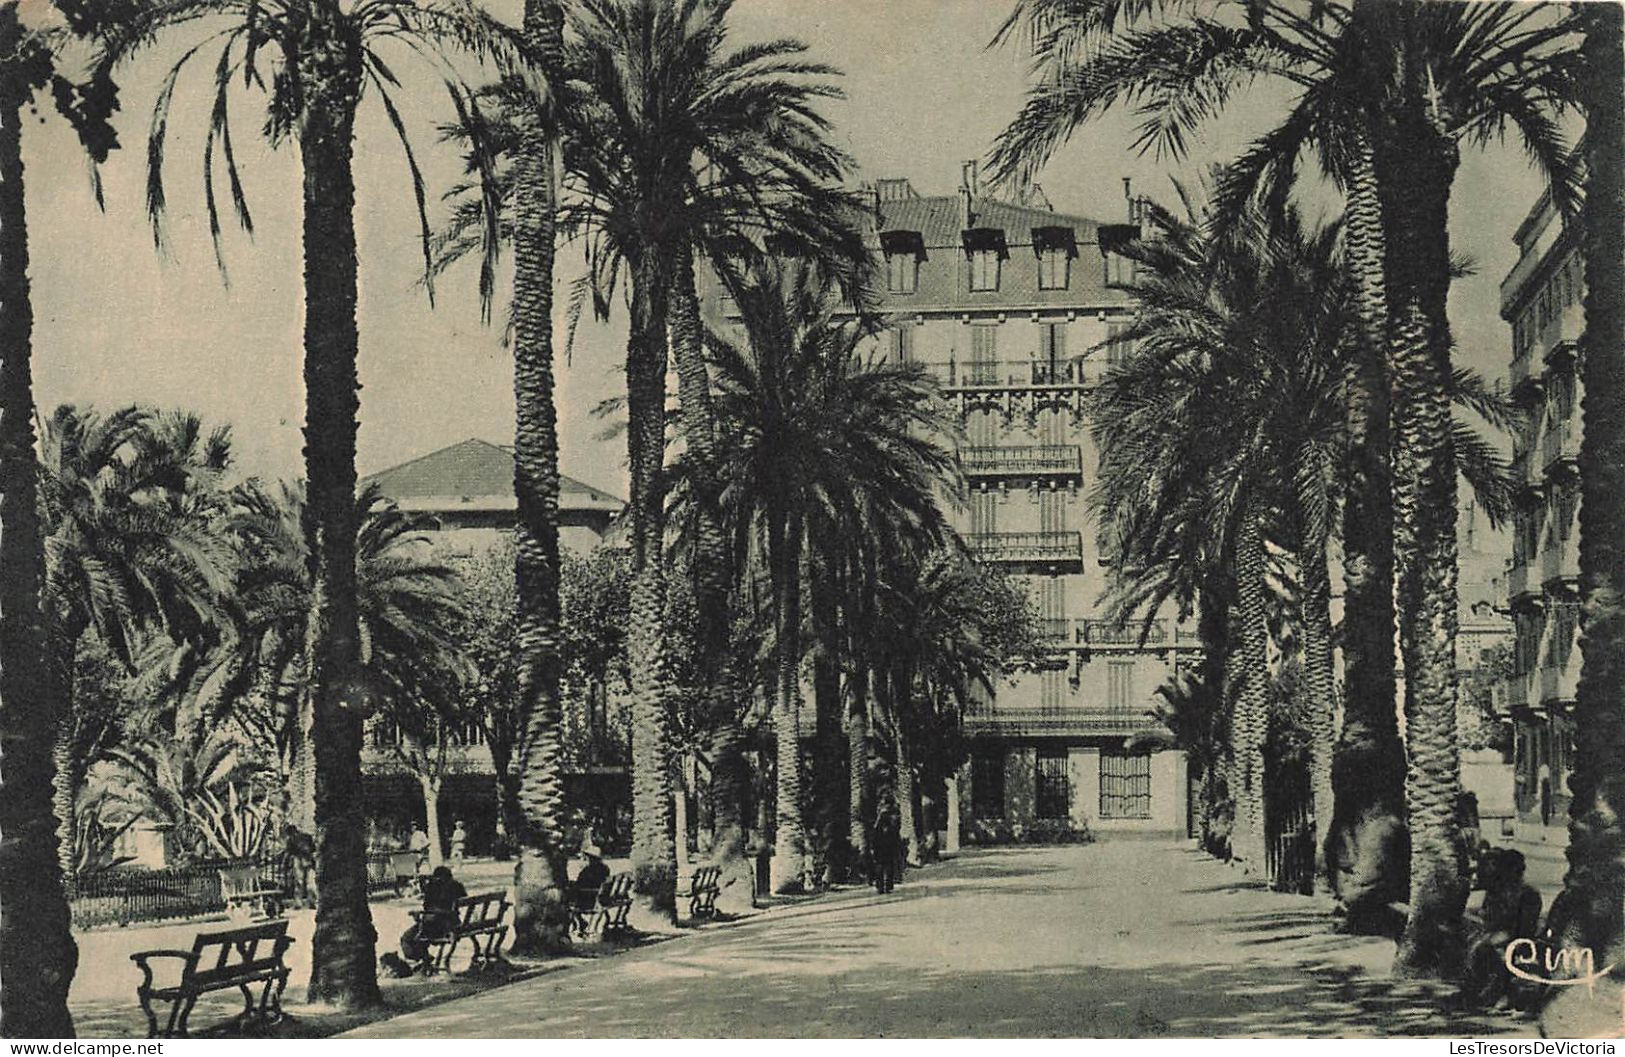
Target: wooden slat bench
(220,961)
(480,920)
(248,895)
(703,889)
(607,915)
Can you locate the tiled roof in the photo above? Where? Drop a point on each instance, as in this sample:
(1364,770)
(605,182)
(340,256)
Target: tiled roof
(937,219)
(472,469)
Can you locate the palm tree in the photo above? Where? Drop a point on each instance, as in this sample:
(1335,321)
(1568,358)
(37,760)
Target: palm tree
(676,147)
(132,504)
(321,57)
(1227,422)
(1461,73)
(818,435)
(1594,888)
(1386,93)
(37,955)
(540,919)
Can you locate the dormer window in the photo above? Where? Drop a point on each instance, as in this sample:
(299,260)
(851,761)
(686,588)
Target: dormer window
(1055,247)
(985,250)
(904,250)
(1113,239)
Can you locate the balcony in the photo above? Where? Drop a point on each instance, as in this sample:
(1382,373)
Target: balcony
(1560,448)
(1135,634)
(1059,460)
(1518,581)
(1019,374)
(1023,547)
(1558,682)
(1521,692)
(1560,562)
(1059,722)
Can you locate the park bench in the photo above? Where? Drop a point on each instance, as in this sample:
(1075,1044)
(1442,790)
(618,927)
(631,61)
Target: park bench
(607,914)
(220,961)
(703,889)
(247,894)
(479,919)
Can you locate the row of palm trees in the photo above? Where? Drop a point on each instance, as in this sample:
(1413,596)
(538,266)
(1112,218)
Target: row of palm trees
(639,133)
(1386,95)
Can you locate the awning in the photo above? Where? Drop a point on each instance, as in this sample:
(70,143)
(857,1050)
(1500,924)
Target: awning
(1113,237)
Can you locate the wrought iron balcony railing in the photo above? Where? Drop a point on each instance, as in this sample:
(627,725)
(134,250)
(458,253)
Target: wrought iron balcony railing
(1135,634)
(1055,459)
(1027,546)
(1060,721)
(1019,374)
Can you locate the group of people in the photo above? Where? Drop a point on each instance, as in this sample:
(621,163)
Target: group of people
(1511,912)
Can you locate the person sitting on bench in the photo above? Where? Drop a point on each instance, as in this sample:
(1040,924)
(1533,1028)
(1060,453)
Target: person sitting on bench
(593,874)
(440,896)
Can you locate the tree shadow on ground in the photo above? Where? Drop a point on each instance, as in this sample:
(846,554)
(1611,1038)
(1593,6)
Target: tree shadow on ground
(767,996)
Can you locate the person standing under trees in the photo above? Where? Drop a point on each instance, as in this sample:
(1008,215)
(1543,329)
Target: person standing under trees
(887,843)
(459,842)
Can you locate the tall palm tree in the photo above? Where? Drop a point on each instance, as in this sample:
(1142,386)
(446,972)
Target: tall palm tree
(676,147)
(817,434)
(321,58)
(540,918)
(1595,885)
(675,151)
(37,955)
(1387,92)
(1231,406)
(1460,74)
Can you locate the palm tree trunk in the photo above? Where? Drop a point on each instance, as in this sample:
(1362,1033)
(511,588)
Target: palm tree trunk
(1218,647)
(343,967)
(1416,166)
(1251,721)
(790,842)
(713,571)
(540,917)
(1594,888)
(1320,687)
(1367,865)
(38,956)
(829,761)
(654,853)
(857,767)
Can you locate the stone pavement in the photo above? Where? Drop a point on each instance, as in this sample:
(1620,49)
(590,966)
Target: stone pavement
(1120,938)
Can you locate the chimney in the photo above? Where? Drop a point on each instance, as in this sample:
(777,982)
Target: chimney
(968,190)
(869,195)
(1128,194)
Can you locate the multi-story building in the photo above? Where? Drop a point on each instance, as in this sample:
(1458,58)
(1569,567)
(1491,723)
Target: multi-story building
(1541,299)
(1015,307)
(462,497)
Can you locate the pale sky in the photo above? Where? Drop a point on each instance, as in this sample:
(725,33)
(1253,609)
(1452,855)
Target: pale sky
(117,323)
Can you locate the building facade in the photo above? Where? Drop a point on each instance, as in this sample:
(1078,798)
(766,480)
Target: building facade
(462,498)
(1541,298)
(1015,308)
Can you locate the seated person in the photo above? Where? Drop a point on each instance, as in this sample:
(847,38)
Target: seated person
(593,874)
(1511,911)
(440,896)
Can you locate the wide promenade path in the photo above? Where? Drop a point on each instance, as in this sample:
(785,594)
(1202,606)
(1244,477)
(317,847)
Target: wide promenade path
(1120,938)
